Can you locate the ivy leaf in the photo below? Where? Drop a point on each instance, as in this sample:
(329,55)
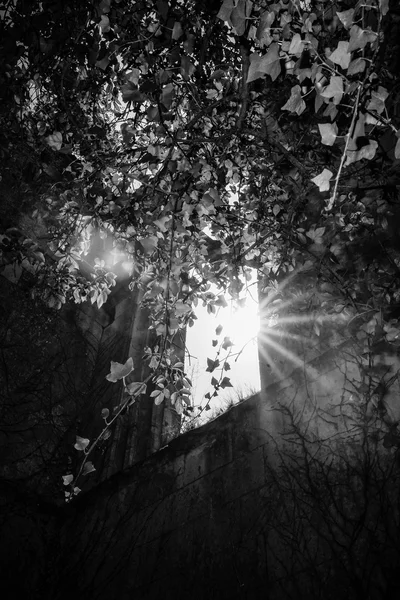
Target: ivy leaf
(227,366)
(187,68)
(67,479)
(264,28)
(346,17)
(368,152)
(359,38)
(218,330)
(356,66)
(130,93)
(334,89)
(296,45)
(328,133)
(341,55)
(322,180)
(265,65)
(177,31)
(220,301)
(88,468)
(167,95)
(105,413)
(136,388)
(212,365)
(384,4)
(149,244)
(118,370)
(214,343)
(214,382)
(226,10)
(295,103)
(227,343)
(226,382)
(397,149)
(54,140)
(81,443)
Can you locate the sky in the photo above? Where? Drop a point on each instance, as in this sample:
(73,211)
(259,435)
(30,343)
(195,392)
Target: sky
(241,326)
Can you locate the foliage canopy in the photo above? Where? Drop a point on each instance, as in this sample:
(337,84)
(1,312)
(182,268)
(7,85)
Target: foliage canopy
(203,140)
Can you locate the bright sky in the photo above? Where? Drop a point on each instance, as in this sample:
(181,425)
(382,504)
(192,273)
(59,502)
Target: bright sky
(241,326)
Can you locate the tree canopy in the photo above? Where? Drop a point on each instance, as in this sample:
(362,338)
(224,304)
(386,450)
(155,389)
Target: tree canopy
(204,140)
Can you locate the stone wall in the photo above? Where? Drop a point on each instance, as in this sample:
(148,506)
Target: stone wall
(238,509)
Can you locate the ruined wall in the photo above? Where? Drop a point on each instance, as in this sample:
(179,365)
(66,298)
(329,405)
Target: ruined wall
(232,511)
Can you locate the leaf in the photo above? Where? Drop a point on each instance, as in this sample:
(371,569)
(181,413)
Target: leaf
(265,65)
(220,301)
(158,399)
(356,66)
(346,17)
(359,38)
(177,31)
(118,370)
(88,468)
(226,382)
(160,223)
(227,343)
(322,180)
(81,443)
(218,330)
(187,68)
(105,413)
(296,45)
(136,388)
(214,343)
(227,366)
(264,28)
(397,149)
(226,10)
(367,152)
(67,479)
(295,103)
(149,244)
(130,93)
(384,4)
(167,95)
(239,15)
(341,55)
(328,133)
(54,140)
(334,89)
(214,382)
(276,209)
(212,364)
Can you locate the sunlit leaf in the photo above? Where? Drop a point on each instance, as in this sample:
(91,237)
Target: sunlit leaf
(328,133)
(81,443)
(295,104)
(356,66)
(227,343)
(368,152)
(119,370)
(322,180)
(88,468)
(397,149)
(177,31)
(341,56)
(67,479)
(359,38)
(55,140)
(346,17)
(334,89)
